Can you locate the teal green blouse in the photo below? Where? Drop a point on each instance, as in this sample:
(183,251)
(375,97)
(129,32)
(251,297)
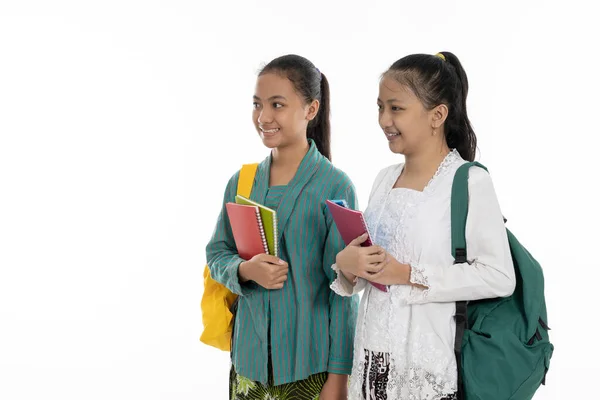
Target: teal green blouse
(311,328)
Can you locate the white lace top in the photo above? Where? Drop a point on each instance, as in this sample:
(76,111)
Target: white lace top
(416,326)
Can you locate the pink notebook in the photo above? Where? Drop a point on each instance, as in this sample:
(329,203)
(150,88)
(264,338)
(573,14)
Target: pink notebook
(247,229)
(351,224)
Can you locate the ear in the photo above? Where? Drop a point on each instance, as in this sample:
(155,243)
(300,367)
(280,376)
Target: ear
(438,116)
(312,110)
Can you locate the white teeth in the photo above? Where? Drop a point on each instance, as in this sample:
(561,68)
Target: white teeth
(270,130)
(392,134)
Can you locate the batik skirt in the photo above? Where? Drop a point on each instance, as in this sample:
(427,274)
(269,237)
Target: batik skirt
(241,388)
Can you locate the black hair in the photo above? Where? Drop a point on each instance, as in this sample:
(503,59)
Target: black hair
(440,79)
(311,85)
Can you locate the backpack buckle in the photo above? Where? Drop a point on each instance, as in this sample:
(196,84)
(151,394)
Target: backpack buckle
(460,256)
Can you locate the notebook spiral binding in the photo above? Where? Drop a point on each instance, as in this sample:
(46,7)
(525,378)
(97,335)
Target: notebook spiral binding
(262,231)
(275,235)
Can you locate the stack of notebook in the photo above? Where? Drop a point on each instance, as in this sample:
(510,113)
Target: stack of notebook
(254,227)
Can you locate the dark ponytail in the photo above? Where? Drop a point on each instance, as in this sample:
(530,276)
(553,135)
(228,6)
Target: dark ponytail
(311,85)
(436,80)
(319,129)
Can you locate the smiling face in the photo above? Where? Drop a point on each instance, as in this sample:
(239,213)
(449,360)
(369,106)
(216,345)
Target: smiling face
(406,123)
(280,115)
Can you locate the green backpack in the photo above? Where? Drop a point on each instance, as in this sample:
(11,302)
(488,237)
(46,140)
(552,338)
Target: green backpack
(502,346)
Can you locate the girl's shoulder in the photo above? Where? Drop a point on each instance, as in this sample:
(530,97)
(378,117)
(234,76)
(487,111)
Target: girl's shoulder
(388,171)
(331,178)
(386,174)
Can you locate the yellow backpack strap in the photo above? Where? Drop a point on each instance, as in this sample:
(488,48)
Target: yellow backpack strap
(247,174)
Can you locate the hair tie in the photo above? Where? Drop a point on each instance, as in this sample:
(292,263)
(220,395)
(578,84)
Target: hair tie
(440,55)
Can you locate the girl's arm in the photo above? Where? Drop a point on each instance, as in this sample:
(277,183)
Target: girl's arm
(221,253)
(342,310)
(490,271)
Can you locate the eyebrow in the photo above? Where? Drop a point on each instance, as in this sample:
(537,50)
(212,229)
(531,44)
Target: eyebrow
(390,101)
(277,97)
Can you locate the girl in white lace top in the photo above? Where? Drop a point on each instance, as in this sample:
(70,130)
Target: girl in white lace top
(404,345)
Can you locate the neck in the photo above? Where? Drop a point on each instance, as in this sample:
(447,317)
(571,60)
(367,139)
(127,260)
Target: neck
(289,156)
(425,163)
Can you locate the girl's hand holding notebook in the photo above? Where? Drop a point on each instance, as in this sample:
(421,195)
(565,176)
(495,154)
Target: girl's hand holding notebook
(351,225)
(268,271)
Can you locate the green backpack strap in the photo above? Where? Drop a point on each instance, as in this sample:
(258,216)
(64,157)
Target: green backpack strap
(459,206)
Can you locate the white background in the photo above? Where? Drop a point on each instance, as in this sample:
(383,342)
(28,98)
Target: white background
(121,122)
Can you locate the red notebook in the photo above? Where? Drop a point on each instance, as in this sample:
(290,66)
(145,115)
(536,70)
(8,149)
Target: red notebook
(247,228)
(351,224)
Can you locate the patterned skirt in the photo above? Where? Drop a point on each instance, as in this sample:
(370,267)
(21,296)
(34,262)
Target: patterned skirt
(241,388)
(375,379)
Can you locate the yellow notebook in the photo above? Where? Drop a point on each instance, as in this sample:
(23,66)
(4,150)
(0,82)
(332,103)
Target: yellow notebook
(269,220)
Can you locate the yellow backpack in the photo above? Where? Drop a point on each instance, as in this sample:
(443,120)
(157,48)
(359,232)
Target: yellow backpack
(217,300)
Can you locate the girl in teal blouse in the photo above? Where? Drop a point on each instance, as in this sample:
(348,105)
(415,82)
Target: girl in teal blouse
(293,336)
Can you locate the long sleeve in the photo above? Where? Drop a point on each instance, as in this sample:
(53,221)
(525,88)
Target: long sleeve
(342,310)
(489,272)
(221,254)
